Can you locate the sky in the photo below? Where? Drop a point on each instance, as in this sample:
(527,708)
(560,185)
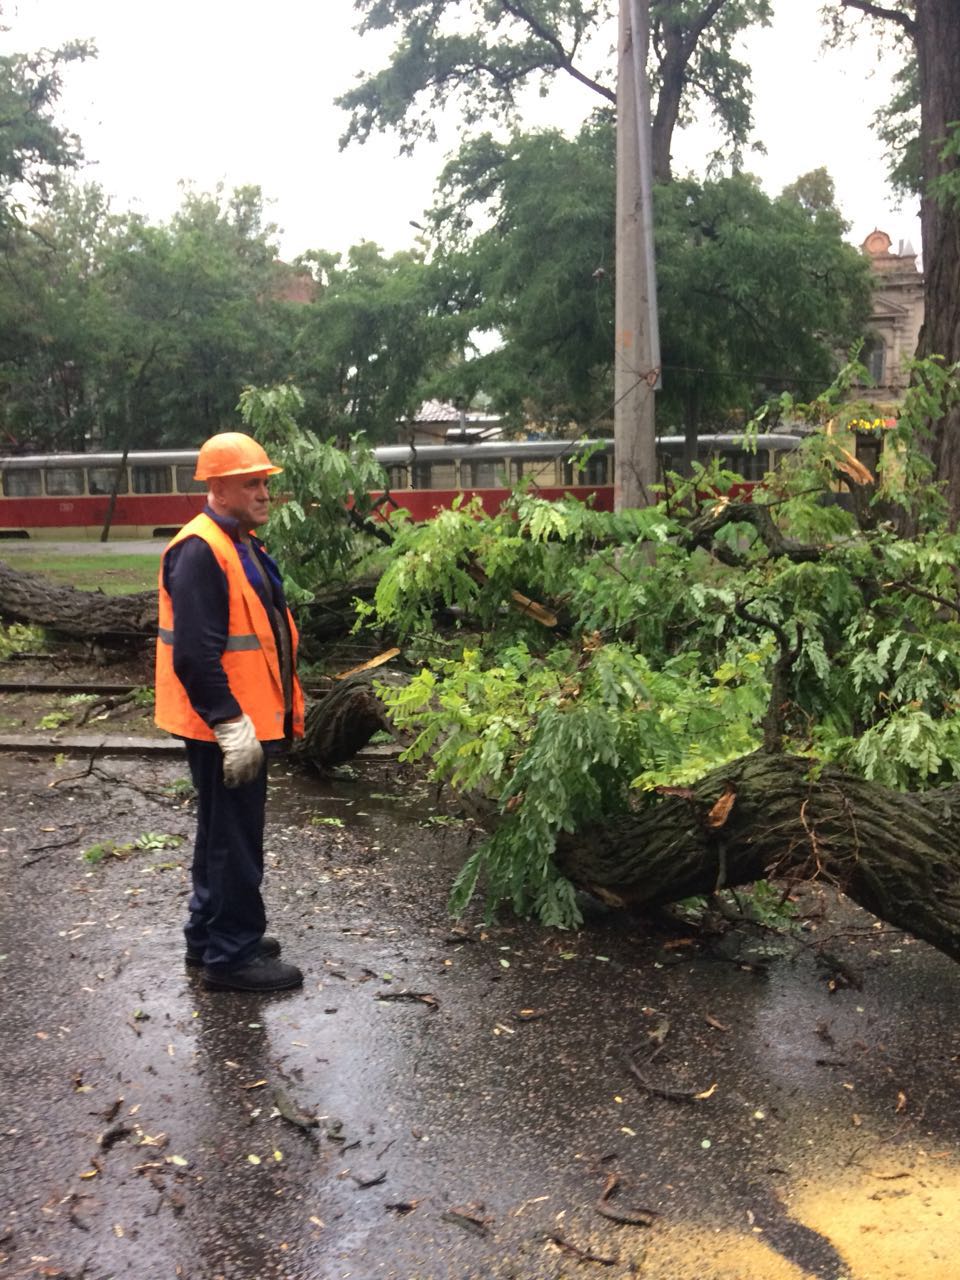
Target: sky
(236,92)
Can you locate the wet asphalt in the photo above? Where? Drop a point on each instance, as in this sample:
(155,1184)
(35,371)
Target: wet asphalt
(442,1100)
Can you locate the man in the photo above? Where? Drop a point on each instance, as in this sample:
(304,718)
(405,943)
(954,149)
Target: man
(227,684)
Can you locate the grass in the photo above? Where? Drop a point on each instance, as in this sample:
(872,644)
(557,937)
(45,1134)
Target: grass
(116,575)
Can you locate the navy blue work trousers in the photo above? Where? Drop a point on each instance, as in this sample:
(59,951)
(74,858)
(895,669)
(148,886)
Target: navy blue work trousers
(227,917)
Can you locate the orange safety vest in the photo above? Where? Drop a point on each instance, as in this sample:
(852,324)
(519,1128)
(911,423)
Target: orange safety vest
(250,659)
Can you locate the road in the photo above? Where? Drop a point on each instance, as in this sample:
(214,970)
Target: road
(476,1114)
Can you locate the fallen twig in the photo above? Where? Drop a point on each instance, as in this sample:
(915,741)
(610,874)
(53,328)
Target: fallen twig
(660,1091)
(423,997)
(469,1218)
(43,849)
(583,1254)
(291,1112)
(627,1217)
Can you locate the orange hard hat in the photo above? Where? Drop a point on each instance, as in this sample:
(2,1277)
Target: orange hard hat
(231,453)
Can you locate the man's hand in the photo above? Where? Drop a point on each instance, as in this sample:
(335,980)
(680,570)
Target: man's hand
(242,752)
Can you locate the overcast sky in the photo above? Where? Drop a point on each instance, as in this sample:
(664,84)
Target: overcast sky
(232,91)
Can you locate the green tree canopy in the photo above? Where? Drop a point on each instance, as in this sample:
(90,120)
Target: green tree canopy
(756,294)
(692,634)
(483,53)
(34,147)
(366,346)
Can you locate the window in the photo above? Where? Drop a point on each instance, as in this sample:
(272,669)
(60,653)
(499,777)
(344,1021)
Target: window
(875,358)
(482,473)
(541,471)
(397,477)
(64,482)
(186,482)
(752,466)
(595,472)
(100,480)
(434,475)
(151,479)
(25,483)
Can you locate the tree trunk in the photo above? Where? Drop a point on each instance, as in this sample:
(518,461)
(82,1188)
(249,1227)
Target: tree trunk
(32,598)
(937,36)
(895,854)
(341,723)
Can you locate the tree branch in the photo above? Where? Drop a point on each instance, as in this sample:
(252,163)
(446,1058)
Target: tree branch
(549,37)
(888,15)
(702,530)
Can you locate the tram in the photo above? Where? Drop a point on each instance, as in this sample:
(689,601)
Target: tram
(66,495)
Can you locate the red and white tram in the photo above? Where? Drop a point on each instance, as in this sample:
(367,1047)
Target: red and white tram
(66,496)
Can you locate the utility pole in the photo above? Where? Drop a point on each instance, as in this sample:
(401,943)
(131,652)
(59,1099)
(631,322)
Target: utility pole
(637,349)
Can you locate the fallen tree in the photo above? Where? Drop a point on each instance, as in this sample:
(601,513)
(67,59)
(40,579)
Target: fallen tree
(91,615)
(769,815)
(86,615)
(738,691)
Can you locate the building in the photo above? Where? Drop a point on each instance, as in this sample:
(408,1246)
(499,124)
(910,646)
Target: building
(438,422)
(895,318)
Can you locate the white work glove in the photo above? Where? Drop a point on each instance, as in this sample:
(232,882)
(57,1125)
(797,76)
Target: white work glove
(242,752)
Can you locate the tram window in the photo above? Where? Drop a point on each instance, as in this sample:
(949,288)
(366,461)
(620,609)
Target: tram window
(752,466)
(186,482)
(151,479)
(25,483)
(595,472)
(486,473)
(669,460)
(64,482)
(542,471)
(434,475)
(397,477)
(100,480)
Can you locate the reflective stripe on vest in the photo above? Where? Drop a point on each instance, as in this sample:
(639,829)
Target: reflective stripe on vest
(233,642)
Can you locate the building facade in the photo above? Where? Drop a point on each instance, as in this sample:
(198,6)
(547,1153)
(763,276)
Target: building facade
(896,316)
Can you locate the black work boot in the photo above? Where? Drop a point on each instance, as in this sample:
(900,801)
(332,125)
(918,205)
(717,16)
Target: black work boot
(259,973)
(267,946)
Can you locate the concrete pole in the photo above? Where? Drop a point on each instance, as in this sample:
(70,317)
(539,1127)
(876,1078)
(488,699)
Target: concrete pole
(636,355)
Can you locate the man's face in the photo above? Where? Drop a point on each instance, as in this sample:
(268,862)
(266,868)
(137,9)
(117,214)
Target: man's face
(246,498)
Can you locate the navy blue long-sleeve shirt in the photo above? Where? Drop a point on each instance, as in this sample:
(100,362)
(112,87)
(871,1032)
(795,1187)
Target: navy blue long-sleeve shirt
(201,610)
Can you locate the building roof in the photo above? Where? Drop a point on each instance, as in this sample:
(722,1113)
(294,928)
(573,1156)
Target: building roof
(443,411)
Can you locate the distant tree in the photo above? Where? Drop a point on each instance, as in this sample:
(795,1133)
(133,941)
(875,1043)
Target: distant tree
(756,295)
(368,344)
(55,319)
(194,317)
(528,227)
(483,55)
(34,148)
(136,334)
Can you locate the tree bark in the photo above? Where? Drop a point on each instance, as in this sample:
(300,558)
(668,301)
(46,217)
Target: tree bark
(895,854)
(32,598)
(341,723)
(937,37)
